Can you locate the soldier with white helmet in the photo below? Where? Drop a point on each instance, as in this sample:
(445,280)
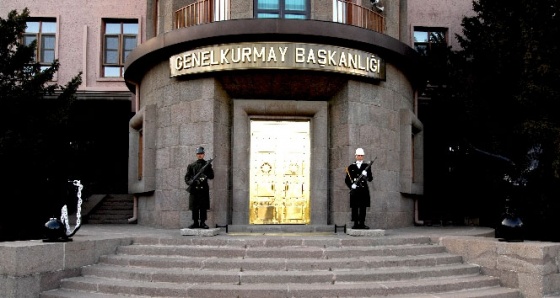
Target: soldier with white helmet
(358,174)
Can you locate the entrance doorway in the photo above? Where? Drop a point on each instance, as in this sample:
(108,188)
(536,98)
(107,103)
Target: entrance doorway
(279,172)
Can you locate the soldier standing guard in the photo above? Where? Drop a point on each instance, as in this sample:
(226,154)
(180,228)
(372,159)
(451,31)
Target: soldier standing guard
(359,190)
(199,198)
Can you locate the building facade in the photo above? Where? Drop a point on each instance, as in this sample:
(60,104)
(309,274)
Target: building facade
(280,93)
(92,37)
(443,16)
(435,23)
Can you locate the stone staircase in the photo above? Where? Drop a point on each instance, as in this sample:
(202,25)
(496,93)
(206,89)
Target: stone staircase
(282,266)
(112,209)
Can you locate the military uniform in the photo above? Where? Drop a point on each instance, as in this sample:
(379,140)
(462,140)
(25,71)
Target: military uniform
(199,197)
(359,190)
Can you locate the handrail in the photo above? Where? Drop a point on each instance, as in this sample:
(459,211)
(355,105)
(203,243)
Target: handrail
(202,12)
(348,12)
(344,11)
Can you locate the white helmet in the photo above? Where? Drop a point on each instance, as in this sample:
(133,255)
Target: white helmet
(360,151)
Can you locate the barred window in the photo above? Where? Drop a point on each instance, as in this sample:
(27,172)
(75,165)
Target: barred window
(119,39)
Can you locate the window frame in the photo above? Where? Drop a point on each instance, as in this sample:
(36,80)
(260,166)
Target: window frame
(121,45)
(429,42)
(39,38)
(282,11)
(156,14)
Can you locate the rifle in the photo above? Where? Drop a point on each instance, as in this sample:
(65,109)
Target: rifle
(190,182)
(362,175)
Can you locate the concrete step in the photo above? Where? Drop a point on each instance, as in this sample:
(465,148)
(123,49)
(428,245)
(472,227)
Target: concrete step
(69,293)
(112,214)
(243,276)
(105,221)
(116,200)
(113,209)
(268,266)
(490,292)
(285,241)
(480,286)
(280,264)
(283,252)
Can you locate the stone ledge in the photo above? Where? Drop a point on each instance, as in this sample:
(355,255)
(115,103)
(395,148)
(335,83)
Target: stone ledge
(531,266)
(367,233)
(267,229)
(200,232)
(31,267)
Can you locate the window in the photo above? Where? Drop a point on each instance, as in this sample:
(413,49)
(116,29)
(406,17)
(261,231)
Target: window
(118,41)
(411,178)
(426,39)
(156,17)
(43,31)
(282,9)
(142,151)
(140,158)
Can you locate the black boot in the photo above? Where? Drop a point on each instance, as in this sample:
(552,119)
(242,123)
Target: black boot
(194,225)
(356,226)
(203,225)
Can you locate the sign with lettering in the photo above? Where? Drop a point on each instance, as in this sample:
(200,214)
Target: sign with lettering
(278,55)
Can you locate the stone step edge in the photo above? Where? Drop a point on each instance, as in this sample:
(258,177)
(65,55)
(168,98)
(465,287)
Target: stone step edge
(278,252)
(123,220)
(440,284)
(286,247)
(486,292)
(331,240)
(443,258)
(216,231)
(200,232)
(274,241)
(112,215)
(365,233)
(178,275)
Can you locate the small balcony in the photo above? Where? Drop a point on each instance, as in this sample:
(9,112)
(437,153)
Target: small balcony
(202,12)
(345,12)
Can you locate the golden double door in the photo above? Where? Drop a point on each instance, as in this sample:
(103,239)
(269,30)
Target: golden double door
(279,172)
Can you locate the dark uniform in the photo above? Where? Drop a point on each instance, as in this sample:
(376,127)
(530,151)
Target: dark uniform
(199,198)
(359,197)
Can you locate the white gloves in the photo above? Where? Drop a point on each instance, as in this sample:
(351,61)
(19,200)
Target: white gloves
(364,173)
(354,186)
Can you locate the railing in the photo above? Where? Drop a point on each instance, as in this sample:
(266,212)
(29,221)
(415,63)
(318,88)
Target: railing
(208,11)
(202,12)
(348,12)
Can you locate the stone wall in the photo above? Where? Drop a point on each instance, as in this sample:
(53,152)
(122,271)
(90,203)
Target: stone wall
(532,267)
(31,267)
